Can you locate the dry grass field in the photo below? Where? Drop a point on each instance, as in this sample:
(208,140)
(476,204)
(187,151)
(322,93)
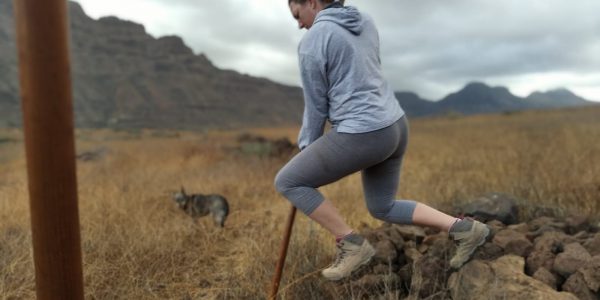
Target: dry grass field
(137,245)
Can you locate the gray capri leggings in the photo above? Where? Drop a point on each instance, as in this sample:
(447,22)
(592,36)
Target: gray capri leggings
(377,154)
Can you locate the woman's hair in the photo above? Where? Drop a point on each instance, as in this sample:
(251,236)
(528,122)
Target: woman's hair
(322,1)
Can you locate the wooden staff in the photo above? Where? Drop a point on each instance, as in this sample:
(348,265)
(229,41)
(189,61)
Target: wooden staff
(45,83)
(282,253)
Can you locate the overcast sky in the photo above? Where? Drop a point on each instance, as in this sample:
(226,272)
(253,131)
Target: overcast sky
(430,47)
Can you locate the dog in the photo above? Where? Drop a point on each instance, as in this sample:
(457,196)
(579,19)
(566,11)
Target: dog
(198,205)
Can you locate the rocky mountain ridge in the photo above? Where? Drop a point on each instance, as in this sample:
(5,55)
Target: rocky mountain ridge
(477,98)
(125,78)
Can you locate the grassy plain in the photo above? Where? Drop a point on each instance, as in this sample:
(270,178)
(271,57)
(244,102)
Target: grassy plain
(137,245)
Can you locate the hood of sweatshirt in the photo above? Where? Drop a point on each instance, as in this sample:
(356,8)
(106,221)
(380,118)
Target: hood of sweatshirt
(348,17)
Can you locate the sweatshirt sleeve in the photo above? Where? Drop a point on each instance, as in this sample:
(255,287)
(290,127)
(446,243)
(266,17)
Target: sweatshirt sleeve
(314,82)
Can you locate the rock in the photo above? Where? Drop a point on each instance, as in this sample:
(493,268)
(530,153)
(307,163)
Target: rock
(471,281)
(498,269)
(493,206)
(495,226)
(545,249)
(431,239)
(541,225)
(394,236)
(412,254)
(410,232)
(545,276)
(428,272)
(591,274)
(537,223)
(502,278)
(374,235)
(381,236)
(553,241)
(582,236)
(540,231)
(262,146)
(576,223)
(521,227)
(539,259)
(593,244)
(385,252)
(410,244)
(442,248)
(422,248)
(488,251)
(520,247)
(283,147)
(369,234)
(513,242)
(576,284)
(571,259)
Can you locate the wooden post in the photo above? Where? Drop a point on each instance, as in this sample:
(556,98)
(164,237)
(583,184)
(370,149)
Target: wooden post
(282,253)
(44,68)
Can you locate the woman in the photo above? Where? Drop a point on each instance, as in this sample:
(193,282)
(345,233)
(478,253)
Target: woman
(343,84)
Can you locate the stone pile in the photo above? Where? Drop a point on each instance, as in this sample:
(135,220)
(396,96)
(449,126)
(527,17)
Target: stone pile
(544,258)
(262,146)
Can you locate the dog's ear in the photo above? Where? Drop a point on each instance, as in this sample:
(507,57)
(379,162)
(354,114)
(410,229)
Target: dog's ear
(182,190)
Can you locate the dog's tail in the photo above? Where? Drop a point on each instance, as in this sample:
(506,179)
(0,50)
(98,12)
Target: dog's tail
(219,208)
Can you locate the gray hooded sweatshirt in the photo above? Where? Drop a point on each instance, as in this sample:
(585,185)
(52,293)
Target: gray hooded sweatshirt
(341,76)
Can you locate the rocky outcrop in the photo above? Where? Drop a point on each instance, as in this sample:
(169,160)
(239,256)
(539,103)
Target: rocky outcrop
(543,258)
(502,278)
(261,146)
(493,206)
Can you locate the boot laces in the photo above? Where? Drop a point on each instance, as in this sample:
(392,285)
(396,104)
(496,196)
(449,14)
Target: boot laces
(458,242)
(341,253)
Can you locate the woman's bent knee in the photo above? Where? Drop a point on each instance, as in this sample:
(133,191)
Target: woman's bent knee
(380,215)
(305,198)
(282,183)
(398,211)
(379,212)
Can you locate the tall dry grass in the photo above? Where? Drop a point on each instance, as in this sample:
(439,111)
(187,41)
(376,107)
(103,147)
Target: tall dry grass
(137,245)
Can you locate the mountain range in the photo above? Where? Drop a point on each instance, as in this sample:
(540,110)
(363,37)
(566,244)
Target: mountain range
(125,78)
(478,98)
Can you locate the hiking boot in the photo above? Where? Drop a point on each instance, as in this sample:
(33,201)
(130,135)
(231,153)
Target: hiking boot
(468,235)
(352,252)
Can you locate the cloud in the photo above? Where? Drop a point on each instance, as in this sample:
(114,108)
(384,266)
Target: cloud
(445,44)
(431,47)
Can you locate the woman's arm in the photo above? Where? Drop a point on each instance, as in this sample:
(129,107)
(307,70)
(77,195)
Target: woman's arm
(315,86)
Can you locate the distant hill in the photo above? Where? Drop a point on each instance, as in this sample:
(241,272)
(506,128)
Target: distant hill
(478,98)
(556,98)
(416,106)
(125,78)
